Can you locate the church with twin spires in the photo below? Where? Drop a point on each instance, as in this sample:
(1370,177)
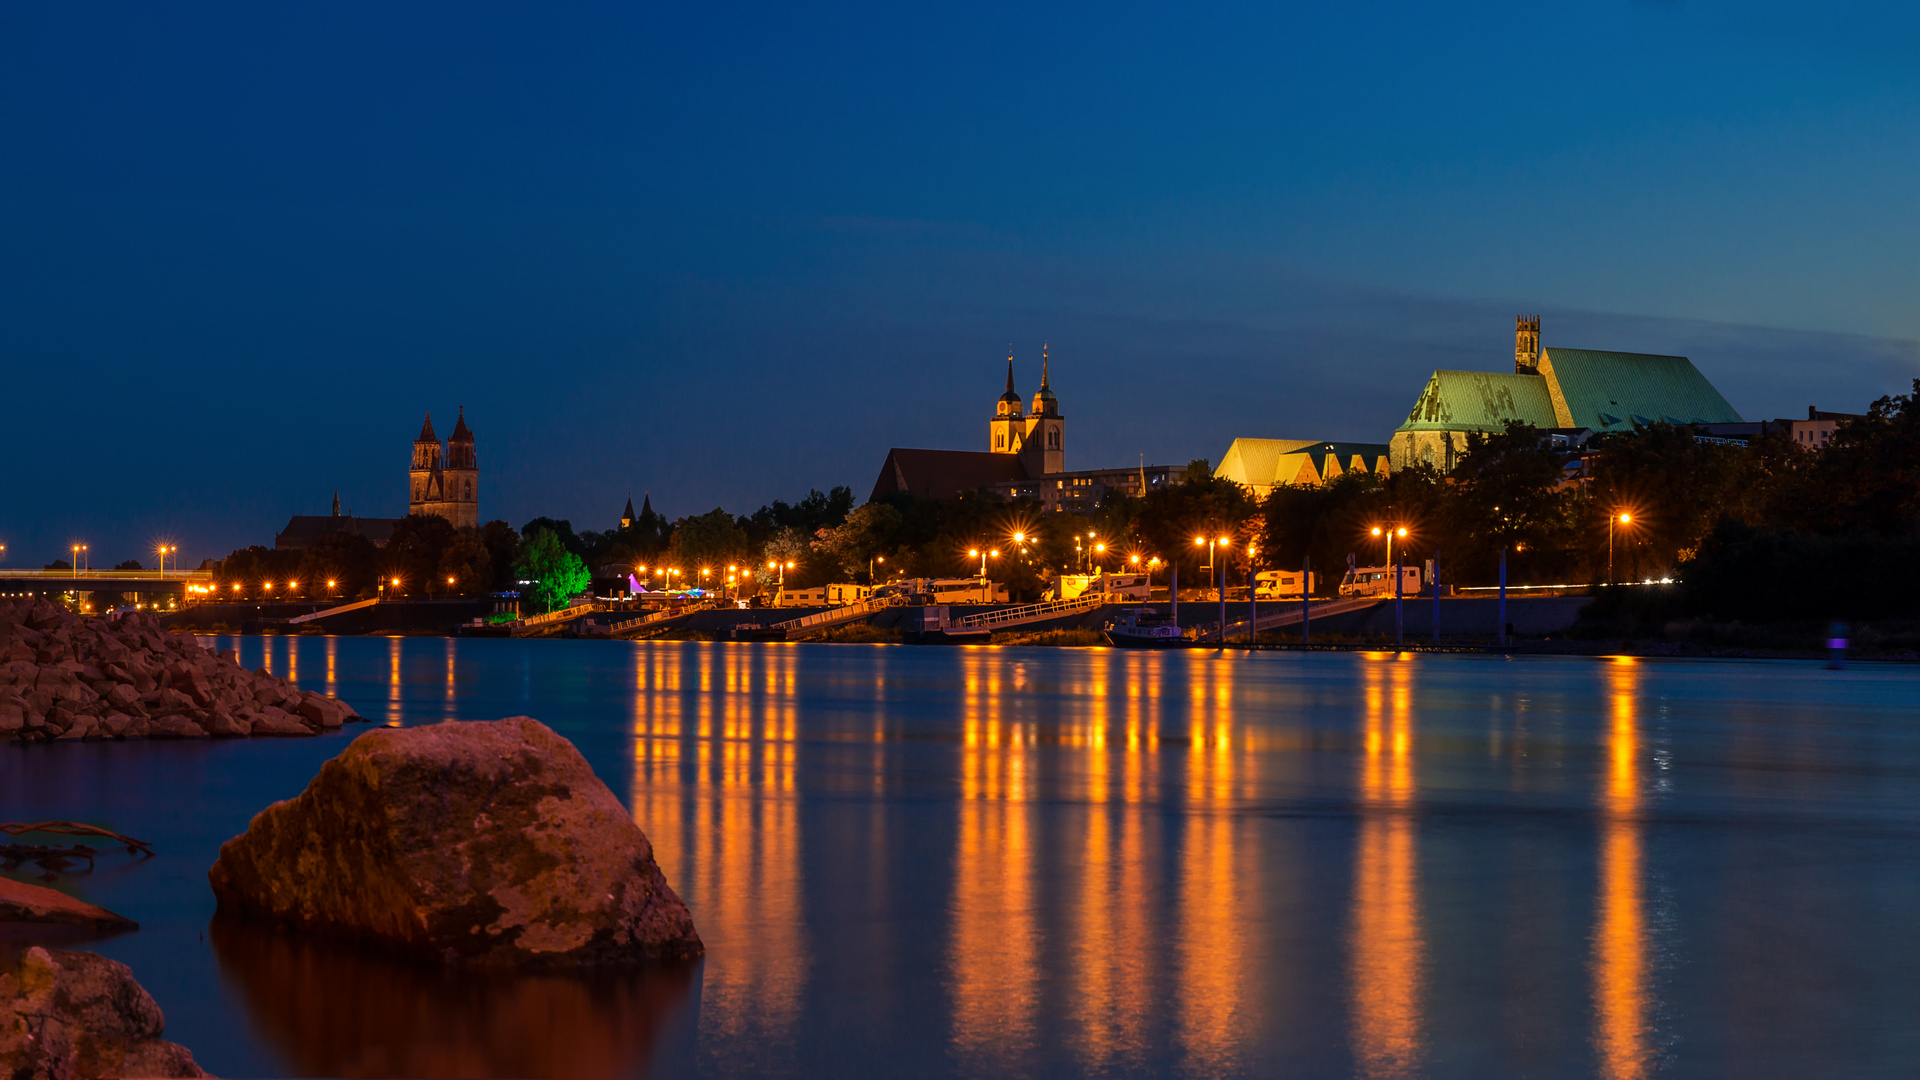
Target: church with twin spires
(1026,458)
(445,480)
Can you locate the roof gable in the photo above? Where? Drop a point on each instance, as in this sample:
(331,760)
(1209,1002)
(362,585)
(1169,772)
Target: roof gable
(1480,401)
(1613,391)
(942,474)
(1256,462)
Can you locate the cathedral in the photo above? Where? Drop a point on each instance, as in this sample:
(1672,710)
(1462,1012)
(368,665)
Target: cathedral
(445,480)
(1025,459)
(1038,439)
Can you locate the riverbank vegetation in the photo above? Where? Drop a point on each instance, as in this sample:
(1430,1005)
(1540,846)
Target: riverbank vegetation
(1761,531)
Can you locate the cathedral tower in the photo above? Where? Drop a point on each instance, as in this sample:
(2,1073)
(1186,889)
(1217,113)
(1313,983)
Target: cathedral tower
(1044,449)
(445,481)
(462,487)
(1526,344)
(425,474)
(1007,430)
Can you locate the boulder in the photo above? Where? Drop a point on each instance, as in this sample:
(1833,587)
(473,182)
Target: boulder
(24,903)
(490,844)
(272,721)
(76,1015)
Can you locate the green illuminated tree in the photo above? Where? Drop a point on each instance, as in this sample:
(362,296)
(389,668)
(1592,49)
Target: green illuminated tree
(557,573)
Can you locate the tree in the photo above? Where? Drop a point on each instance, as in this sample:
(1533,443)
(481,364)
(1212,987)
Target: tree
(466,566)
(349,560)
(503,550)
(130,564)
(711,541)
(414,551)
(557,574)
(867,533)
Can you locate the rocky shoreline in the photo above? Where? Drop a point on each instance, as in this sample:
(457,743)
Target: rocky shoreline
(65,677)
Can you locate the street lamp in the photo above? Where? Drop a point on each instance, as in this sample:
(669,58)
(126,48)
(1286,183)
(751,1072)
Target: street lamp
(1623,519)
(983,556)
(331,582)
(79,550)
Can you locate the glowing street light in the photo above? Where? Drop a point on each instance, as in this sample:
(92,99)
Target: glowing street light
(1623,519)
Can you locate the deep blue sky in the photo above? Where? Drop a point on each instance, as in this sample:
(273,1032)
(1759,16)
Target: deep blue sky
(726,254)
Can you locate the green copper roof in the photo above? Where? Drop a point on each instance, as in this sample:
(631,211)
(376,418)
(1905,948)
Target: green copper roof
(1480,401)
(1613,391)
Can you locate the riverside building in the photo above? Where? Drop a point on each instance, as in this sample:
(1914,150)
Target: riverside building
(1026,458)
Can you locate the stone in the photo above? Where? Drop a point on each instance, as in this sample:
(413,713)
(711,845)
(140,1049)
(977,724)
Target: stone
(24,903)
(272,721)
(77,1015)
(115,724)
(324,711)
(83,727)
(176,727)
(222,724)
(122,696)
(487,844)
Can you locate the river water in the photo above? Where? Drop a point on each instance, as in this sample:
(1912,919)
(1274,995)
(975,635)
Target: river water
(924,861)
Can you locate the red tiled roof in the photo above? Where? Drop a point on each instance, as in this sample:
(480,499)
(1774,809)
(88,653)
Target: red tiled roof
(942,474)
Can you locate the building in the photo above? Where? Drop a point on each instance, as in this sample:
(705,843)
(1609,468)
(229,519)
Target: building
(445,481)
(305,530)
(1264,464)
(1817,429)
(1026,458)
(1567,390)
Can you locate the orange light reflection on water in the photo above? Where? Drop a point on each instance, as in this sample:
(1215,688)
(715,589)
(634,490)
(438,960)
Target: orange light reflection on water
(733,831)
(1386,943)
(1621,976)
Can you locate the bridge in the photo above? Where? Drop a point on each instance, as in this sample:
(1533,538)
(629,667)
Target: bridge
(1285,613)
(122,581)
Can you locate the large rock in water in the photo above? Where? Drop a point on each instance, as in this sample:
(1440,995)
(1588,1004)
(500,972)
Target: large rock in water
(75,1015)
(484,843)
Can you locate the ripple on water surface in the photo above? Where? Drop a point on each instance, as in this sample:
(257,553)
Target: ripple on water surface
(1003,862)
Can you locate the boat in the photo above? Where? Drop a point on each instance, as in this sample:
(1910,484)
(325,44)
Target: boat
(1144,628)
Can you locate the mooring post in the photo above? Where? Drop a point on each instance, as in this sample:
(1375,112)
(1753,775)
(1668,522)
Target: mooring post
(1502,628)
(1399,594)
(1436,598)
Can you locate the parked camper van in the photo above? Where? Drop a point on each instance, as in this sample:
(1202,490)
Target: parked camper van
(1281,584)
(1378,581)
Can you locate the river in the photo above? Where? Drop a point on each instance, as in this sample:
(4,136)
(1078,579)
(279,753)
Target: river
(925,861)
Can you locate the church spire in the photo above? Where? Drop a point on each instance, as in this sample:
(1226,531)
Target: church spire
(627,519)
(426,431)
(1043,366)
(336,502)
(1010,389)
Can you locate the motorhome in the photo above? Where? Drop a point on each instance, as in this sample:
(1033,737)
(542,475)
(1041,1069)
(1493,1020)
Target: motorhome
(1281,584)
(834,595)
(1378,581)
(1118,586)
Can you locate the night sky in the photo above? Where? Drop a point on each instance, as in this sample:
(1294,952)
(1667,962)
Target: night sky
(725,254)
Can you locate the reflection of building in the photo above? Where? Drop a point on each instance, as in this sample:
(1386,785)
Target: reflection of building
(446,481)
(1554,389)
(1026,458)
(1264,464)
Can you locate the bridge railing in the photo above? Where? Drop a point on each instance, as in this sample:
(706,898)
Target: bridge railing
(196,576)
(563,614)
(843,613)
(1030,612)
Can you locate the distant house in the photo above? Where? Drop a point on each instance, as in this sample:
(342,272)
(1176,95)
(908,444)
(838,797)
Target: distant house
(1554,389)
(1264,464)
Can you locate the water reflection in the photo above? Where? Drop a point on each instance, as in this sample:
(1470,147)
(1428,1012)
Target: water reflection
(993,955)
(1216,883)
(1621,975)
(715,732)
(1388,951)
(335,1010)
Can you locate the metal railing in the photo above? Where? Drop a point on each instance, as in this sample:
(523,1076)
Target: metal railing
(658,617)
(315,615)
(112,575)
(835,615)
(1033,612)
(564,614)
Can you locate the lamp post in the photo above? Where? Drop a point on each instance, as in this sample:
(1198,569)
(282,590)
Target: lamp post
(79,551)
(1623,519)
(874,561)
(1399,622)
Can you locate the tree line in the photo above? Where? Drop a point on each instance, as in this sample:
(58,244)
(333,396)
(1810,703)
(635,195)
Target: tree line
(1762,529)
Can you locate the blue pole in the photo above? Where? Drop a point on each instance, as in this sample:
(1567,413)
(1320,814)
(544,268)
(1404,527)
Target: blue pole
(1502,628)
(1436,599)
(1306,597)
